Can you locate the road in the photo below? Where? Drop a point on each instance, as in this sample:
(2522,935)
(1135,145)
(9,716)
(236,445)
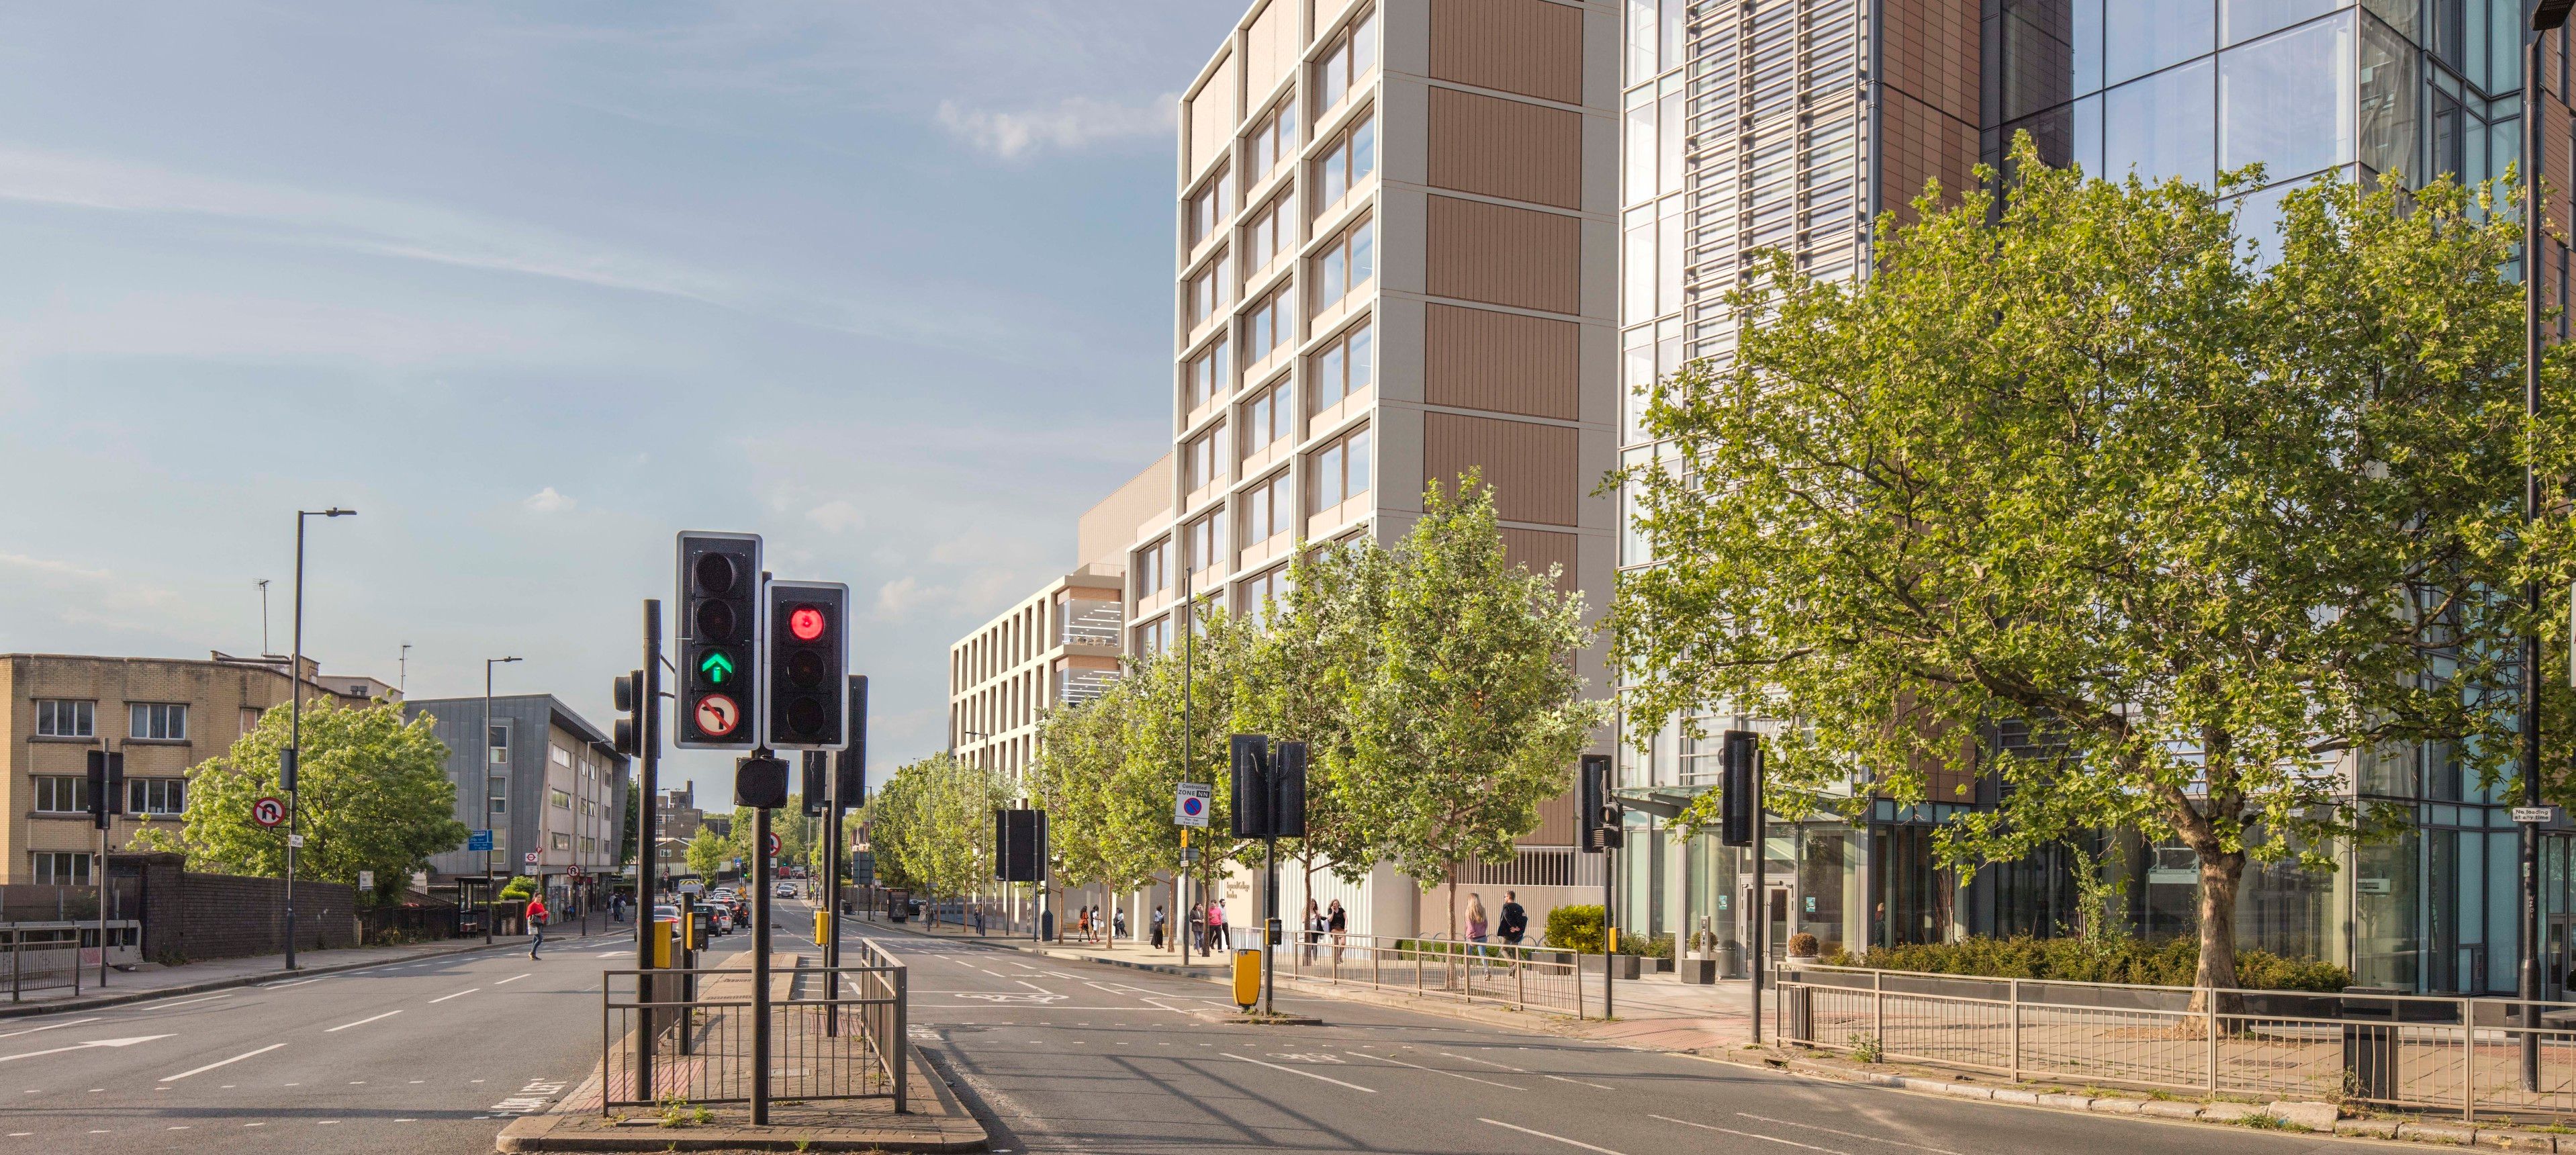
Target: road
(1073,1057)
(428,1056)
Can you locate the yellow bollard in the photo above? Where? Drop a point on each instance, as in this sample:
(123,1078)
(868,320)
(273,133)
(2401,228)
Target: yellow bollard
(822,927)
(1247,978)
(663,930)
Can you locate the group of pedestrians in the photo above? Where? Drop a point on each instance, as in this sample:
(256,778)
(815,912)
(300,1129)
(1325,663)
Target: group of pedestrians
(1089,923)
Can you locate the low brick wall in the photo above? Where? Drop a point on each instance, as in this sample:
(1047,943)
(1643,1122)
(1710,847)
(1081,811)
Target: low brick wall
(190,917)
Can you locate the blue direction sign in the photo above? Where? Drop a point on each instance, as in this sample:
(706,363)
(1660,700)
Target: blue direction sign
(478,840)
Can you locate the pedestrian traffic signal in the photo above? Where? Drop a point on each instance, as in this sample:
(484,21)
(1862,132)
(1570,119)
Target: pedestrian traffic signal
(1288,790)
(808,666)
(760,783)
(1740,786)
(720,640)
(1596,815)
(1248,756)
(106,786)
(627,733)
(850,763)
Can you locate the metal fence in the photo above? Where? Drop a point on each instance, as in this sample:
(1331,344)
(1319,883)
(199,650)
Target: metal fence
(686,1034)
(2422,1052)
(43,957)
(1513,976)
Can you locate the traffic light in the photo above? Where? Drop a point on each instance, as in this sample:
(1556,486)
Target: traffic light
(1595,815)
(626,734)
(808,666)
(1288,790)
(850,763)
(815,798)
(1739,780)
(1249,758)
(106,786)
(760,783)
(1019,846)
(719,640)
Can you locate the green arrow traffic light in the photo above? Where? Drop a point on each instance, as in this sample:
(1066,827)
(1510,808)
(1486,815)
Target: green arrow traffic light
(716,668)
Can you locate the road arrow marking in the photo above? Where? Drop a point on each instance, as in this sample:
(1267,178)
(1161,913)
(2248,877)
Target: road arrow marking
(54,1027)
(85,1046)
(1308,1074)
(359,1023)
(221,1063)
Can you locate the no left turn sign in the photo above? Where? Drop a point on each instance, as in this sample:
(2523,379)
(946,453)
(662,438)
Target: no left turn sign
(268,812)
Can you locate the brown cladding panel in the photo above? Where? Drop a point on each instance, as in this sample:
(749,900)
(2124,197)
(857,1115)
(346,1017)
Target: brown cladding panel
(1505,148)
(1532,468)
(1531,47)
(1928,120)
(1555,823)
(1922,145)
(1503,362)
(1537,549)
(1478,251)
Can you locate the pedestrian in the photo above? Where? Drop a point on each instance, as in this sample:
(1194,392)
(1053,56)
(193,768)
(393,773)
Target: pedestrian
(1310,927)
(1118,923)
(536,916)
(1515,922)
(1338,922)
(1216,927)
(1158,920)
(1478,928)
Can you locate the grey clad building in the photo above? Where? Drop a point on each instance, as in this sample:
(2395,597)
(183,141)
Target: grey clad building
(1795,123)
(543,779)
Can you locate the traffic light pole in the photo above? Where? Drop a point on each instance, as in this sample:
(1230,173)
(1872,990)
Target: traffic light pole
(1269,924)
(1761,911)
(648,744)
(760,961)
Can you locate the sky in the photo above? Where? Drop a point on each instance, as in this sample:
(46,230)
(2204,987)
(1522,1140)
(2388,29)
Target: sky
(534,287)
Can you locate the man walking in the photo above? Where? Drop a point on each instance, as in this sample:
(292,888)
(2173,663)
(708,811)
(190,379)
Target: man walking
(1515,920)
(536,923)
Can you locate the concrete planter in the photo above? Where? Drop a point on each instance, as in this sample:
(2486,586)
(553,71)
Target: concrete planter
(1621,965)
(1699,971)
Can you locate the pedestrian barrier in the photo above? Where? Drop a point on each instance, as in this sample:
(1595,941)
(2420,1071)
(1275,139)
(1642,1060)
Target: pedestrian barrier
(686,1034)
(2425,1052)
(48,955)
(1519,977)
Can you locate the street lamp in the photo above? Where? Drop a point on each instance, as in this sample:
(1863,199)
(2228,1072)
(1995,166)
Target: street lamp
(488,905)
(2540,16)
(295,722)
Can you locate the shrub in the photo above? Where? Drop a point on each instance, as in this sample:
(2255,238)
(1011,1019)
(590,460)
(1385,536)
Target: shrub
(519,886)
(1575,928)
(2167,964)
(1803,945)
(1646,945)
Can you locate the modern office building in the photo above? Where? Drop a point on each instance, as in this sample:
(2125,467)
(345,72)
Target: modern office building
(167,715)
(1793,124)
(1396,261)
(546,782)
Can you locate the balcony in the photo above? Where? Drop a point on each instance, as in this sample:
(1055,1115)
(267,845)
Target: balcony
(1092,623)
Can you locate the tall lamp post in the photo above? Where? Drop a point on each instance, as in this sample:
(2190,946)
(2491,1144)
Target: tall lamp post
(2541,16)
(295,722)
(489,907)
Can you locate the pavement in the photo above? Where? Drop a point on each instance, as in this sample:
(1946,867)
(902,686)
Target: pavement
(152,980)
(1056,1056)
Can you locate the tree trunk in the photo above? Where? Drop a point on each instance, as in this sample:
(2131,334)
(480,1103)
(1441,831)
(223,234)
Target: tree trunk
(2220,875)
(1453,901)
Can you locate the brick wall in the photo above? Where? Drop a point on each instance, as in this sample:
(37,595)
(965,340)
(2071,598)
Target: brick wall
(193,917)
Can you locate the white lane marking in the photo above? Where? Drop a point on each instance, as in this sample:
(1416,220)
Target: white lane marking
(288,983)
(1748,1134)
(179,1003)
(1473,1059)
(54,1027)
(512,979)
(222,1063)
(1308,1074)
(84,1046)
(457,995)
(360,1023)
(254,1124)
(1545,1135)
(1451,1074)
(1849,1134)
(1581,1083)
(324,1122)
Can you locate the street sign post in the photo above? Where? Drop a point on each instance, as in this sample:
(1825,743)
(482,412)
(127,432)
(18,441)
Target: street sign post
(1190,804)
(774,844)
(366,880)
(268,811)
(2535,815)
(530,858)
(479,840)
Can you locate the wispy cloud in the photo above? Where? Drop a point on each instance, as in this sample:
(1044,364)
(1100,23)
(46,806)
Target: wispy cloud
(837,516)
(548,500)
(1069,125)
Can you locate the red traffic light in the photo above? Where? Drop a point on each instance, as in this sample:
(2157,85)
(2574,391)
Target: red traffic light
(806,623)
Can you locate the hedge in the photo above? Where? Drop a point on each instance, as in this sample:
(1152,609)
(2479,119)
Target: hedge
(2171,963)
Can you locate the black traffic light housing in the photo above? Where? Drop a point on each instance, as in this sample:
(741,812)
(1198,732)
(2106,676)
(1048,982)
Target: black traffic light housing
(1740,783)
(1288,790)
(719,641)
(760,783)
(106,786)
(1019,846)
(1248,755)
(626,734)
(1596,816)
(850,763)
(808,666)
(814,798)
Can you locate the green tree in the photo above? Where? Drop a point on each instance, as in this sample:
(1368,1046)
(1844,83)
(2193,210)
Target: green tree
(2083,461)
(1474,713)
(709,852)
(1306,670)
(374,796)
(932,825)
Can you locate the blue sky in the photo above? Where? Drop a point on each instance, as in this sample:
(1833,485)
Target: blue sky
(533,287)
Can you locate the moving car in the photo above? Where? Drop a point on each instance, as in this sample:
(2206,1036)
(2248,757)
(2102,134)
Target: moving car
(785,890)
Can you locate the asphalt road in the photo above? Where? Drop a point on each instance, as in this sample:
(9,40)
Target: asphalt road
(429,1056)
(1073,1057)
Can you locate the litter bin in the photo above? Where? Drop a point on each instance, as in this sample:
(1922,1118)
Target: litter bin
(2370,1042)
(1247,977)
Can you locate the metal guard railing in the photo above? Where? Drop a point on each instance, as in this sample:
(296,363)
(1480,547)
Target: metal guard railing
(1520,977)
(686,1035)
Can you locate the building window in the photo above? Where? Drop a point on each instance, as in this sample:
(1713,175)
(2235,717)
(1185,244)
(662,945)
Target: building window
(62,868)
(497,738)
(1343,367)
(1267,418)
(1211,289)
(562,841)
(249,719)
(1207,206)
(1268,509)
(1210,373)
(1206,458)
(561,756)
(63,718)
(1206,538)
(1263,593)
(1352,156)
(1342,470)
(1153,568)
(157,721)
(62,794)
(588,845)
(1345,265)
(1154,636)
(1271,232)
(1273,140)
(559,799)
(156,795)
(1349,60)
(1267,326)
